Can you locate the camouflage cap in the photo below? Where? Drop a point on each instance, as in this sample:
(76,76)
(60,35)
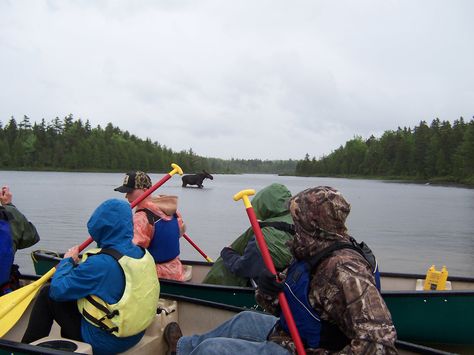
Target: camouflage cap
(320,208)
(134,180)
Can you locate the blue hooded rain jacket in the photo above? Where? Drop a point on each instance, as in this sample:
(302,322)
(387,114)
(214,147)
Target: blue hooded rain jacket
(111,226)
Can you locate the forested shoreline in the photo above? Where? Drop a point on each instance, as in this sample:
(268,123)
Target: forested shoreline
(440,152)
(71,144)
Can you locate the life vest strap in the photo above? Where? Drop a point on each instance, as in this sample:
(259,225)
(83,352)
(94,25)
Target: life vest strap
(99,322)
(150,215)
(108,313)
(282,226)
(361,248)
(112,252)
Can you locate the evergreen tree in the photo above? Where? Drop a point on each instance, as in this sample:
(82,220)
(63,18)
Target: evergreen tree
(436,151)
(422,139)
(69,143)
(466,152)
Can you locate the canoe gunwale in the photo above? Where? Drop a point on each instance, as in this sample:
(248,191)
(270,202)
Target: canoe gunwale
(39,255)
(404,293)
(14,347)
(421,276)
(251,290)
(421,349)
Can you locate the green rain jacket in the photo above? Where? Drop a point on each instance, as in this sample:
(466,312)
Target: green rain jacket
(270,205)
(23,231)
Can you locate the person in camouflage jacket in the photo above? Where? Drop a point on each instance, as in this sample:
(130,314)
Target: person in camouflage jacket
(342,287)
(342,291)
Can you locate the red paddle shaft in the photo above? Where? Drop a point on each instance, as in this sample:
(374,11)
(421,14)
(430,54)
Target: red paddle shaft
(281,297)
(176,169)
(185,236)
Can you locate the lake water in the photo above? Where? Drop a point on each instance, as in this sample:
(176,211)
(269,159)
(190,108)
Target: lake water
(408,226)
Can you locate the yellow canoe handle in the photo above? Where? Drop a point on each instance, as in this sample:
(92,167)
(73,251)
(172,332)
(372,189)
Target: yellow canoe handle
(176,169)
(244,195)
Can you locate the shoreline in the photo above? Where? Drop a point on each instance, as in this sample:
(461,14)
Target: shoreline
(438,181)
(403,180)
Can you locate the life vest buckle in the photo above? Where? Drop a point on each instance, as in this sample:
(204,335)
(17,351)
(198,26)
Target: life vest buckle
(111,330)
(113,314)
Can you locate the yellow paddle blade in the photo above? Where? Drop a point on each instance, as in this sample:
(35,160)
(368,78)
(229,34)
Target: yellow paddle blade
(14,304)
(9,320)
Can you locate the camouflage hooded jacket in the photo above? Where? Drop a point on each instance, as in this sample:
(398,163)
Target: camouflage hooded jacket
(342,288)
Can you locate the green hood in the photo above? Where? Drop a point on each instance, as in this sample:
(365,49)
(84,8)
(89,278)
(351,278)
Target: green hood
(269,204)
(272,201)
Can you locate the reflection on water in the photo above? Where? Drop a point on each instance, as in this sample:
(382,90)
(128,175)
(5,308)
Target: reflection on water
(409,226)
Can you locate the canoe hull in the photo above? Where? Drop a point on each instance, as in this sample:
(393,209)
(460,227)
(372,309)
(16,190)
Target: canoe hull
(194,316)
(419,316)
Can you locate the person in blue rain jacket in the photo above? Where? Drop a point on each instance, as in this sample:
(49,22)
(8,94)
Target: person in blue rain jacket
(100,275)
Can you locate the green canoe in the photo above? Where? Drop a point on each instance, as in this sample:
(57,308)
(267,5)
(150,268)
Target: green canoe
(426,317)
(193,315)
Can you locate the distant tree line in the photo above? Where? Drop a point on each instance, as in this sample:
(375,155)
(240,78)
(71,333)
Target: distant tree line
(72,144)
(441,151)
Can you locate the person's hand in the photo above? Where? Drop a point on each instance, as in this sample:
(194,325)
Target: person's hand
(6,195)
(73,253)
(227,249)
(228,252)
(268,283)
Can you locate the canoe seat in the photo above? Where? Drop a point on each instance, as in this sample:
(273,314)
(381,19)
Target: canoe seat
(152,342)
(52,342)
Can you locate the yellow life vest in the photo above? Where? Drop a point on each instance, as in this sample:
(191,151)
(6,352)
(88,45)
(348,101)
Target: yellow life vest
(135,311)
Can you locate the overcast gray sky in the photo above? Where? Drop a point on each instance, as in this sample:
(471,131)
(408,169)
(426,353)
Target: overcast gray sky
(244,79)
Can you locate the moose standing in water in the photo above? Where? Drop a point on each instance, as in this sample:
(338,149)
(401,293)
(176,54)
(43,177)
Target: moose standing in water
(196,179)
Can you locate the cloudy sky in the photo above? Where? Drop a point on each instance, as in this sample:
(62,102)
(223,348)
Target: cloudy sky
(244,79)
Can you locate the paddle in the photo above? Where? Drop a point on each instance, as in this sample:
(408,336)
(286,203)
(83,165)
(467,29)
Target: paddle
(209,260)
(176,169)
(14,304)
(244,195)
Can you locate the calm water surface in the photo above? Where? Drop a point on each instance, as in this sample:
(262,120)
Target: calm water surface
(409,226)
